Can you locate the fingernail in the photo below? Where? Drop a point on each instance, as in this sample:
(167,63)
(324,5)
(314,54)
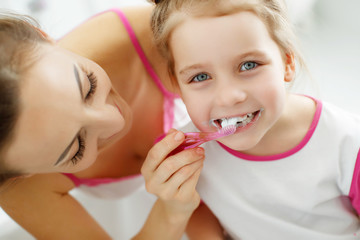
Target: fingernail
(200,151)
(171,131)
(178,136)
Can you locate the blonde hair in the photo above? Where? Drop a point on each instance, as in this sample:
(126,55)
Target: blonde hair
(169,13)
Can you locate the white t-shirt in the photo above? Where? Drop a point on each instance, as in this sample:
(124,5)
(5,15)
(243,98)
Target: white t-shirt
(300,194)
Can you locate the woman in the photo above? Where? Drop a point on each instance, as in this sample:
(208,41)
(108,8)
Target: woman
(68,117)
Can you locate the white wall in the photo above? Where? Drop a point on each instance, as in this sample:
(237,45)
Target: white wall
(58,17)
(330,37)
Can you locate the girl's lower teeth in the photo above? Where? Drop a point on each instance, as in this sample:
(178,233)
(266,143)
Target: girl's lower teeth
(245,122)
(238,122)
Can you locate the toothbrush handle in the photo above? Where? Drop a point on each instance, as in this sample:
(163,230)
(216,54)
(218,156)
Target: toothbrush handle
(186,145)
(194,139)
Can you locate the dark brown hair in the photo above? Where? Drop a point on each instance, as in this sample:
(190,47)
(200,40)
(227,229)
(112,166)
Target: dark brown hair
(19,38)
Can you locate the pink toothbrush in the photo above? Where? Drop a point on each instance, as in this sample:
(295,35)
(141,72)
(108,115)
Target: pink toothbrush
(194,139)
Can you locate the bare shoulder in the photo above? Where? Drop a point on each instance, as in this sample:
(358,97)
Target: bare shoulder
(42,206)
(36,186)
(105,40)
(139,17)
(105,33)
(139,20)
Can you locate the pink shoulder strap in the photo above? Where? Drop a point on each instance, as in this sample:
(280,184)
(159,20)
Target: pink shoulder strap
(74,179)
(168,105)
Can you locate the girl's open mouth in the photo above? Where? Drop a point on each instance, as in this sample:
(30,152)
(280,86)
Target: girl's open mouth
(239,122)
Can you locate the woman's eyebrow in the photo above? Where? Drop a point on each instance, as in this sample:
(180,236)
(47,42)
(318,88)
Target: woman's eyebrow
(77,77)
(67,149)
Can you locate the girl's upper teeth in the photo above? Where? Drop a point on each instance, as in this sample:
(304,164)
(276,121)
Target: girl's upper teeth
(235,120)
(228,122)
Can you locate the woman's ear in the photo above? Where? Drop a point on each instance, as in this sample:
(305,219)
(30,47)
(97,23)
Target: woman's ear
(289,67)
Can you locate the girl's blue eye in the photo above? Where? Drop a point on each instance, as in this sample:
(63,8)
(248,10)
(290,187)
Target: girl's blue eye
(201,77)
(248,66)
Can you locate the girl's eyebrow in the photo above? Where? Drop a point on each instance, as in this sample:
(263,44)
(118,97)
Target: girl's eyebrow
(255,53)
(189,68)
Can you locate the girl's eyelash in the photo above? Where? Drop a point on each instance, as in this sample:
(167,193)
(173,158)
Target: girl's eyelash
(254,62)
(93,84)
(191,80)
(80,153)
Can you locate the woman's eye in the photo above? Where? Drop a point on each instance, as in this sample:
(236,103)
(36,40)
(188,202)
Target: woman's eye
(80,153)
(93,84)
(200,77)
(248,66)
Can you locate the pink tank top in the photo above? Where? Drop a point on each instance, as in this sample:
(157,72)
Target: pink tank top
(172,104)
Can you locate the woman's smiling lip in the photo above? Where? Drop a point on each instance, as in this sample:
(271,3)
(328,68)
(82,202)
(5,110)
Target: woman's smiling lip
(118,108)
(107,141)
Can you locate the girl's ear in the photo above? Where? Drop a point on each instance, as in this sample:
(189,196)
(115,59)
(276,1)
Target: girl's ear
(289,67)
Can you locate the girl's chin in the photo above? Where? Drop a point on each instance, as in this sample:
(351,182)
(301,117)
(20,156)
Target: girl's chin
(237,145)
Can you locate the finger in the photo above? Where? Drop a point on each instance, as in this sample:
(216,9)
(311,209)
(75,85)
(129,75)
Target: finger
(187,189)
(179,178)
(172,130)
(177,162)
(172,187)
(160,150)
(157,181)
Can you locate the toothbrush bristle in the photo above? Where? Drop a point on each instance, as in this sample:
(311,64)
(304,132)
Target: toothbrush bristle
(230,129)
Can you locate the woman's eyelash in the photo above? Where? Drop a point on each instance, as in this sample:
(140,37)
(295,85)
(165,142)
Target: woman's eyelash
(80,153)
(93,84)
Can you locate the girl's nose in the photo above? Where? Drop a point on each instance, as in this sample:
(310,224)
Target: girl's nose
(230,93)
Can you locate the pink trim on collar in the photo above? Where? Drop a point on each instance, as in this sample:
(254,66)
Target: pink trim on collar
(92,182)
(297,148)
(354,193)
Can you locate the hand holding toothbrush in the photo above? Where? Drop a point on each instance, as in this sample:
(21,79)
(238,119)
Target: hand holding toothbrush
(173,177)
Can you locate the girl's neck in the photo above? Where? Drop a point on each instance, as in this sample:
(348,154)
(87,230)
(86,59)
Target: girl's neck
(289,130)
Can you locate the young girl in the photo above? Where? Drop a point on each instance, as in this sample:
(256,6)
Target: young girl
(290,171)
(85,112)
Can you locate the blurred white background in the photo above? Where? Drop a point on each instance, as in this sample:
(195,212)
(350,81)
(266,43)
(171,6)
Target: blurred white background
(329,33)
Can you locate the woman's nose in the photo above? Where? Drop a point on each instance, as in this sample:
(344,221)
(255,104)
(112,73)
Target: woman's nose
(230,93)
(107,120)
